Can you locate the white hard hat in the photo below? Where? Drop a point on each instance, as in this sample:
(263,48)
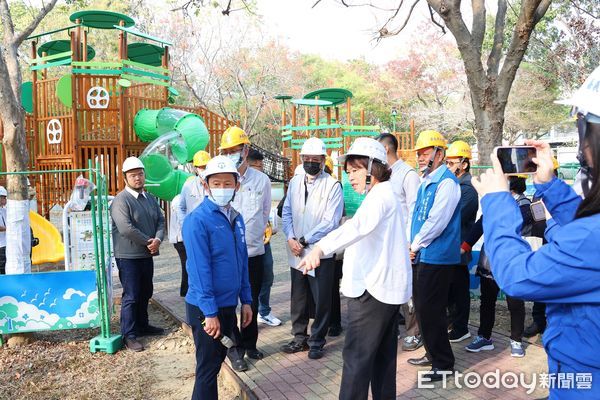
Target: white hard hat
(366,147)
(587,97)
(132,163)
(220,165)
(3,191)
(313,147)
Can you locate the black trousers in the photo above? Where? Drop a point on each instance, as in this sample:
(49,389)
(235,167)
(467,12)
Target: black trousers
(183,288)
(411,320)
(136,278)
(3,260)
(459,300)
(431,301)
(319,288)
(538,312)
(210,353)
(487,311)
(250,333)
(370,349)
(335,319)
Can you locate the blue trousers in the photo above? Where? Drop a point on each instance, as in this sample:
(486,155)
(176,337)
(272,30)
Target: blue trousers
(210,353)
(136,278)
(264,306)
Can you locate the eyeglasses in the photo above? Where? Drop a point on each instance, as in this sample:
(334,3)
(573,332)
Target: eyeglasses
(452,163)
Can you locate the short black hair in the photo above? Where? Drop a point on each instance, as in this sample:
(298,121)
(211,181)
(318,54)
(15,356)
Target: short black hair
(388,139)
(517,185)
(255,155)
(468,164)
(378,169)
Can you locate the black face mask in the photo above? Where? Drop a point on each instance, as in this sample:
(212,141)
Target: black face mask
(312,168)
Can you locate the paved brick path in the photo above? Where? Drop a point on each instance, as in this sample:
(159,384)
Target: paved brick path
(282,376)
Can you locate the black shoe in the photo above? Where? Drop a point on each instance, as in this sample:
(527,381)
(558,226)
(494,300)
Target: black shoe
(334,331)
(315,352)
(436,375)
(533,330)
(420,362)
(255,354)
(239,365)
(455,337)
(132,344)
(151,331)
(294,347)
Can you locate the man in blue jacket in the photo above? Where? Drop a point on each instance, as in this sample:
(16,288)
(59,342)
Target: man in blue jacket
(217,266)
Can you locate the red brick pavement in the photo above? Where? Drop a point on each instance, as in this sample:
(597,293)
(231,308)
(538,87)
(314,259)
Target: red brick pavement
(283,376)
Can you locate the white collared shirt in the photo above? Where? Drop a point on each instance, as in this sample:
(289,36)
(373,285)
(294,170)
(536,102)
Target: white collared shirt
(405,182)
(253,201)
(447,197)
(376,257)
(134,193)
(3,224)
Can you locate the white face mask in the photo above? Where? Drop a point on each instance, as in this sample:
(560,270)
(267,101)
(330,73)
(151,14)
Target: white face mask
(221,197)
(236,158)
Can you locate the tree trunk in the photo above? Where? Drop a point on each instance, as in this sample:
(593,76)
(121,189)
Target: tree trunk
(18,234)
(489,123)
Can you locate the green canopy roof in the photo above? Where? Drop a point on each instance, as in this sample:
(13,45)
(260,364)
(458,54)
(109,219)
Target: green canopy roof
(145,53)
(101,19)
(335,95)
(61,46)
(137,33)
(312,102)
(283,97)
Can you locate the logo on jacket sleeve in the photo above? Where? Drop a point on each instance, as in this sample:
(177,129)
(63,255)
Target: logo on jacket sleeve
(242,233)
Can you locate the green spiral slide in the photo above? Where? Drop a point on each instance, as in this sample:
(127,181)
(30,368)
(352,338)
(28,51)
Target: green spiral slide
(175,137)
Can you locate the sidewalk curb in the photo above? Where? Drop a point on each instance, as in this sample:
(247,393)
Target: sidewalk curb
(245,393)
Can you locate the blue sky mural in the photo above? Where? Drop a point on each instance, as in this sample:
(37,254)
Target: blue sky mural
(48,301)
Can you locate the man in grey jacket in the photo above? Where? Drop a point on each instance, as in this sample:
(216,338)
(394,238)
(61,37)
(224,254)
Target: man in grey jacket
(138,229)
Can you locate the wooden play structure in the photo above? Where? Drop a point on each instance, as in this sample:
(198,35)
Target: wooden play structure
(81,108)
(327,114)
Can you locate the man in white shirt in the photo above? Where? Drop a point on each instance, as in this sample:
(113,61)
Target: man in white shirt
(191,196)
(405,182)
(313,207)
(253,201)
(3,194)
(435,248)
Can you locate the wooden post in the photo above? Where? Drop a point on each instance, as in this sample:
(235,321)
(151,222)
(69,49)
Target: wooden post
(76,88)
(294,136)
(317,116)
(34,95)
(328,121)
(362,117)
(165,64)
(348,121)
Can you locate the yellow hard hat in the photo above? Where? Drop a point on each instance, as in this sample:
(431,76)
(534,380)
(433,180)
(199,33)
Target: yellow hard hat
(522,176)
(459,149)
(555,164)
(201,158)
(329,163)
(430,139)
(233,136)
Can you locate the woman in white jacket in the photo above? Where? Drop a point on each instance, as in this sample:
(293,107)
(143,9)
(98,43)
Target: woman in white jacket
(377,274)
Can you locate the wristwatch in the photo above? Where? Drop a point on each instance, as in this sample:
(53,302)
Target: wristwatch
(302,241)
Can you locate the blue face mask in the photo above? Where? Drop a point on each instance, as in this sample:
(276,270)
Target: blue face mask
(222,197)
(236,158)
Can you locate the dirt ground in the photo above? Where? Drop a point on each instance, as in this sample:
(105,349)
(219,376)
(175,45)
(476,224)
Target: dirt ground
(59,365)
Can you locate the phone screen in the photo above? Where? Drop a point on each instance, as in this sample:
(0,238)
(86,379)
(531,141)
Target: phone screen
(517,160)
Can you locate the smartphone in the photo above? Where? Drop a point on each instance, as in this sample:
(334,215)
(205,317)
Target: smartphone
(538,211)
(517,160)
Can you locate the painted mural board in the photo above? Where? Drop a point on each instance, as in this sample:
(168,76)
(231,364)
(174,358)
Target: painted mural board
(48,301)
(82,240)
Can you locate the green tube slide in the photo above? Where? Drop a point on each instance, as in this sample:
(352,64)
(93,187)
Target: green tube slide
(175,137)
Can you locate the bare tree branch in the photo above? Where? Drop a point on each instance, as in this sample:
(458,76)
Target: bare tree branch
(384,32)
(434,21)
(478,25)
(9,28)
(541,11)
(493,61)
(576,5)
(27,31)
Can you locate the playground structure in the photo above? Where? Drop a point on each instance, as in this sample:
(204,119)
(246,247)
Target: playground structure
(337,133)
(80,108)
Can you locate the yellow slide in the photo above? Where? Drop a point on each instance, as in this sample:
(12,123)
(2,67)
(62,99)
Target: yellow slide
(51,248)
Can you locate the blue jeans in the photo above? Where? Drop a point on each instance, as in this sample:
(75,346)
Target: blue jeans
(264,308)
(136,278)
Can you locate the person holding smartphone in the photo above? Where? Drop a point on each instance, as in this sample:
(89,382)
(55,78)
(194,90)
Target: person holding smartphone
(565,272)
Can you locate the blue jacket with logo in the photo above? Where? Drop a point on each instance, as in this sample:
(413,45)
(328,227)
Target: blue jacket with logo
(217,259)
(564,274)
(445,249)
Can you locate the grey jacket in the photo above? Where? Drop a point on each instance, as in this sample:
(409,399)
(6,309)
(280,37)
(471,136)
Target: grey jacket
(134,222)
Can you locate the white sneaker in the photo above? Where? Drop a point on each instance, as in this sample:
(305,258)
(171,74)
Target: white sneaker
(270,320)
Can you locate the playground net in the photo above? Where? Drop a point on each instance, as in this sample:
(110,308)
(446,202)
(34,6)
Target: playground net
(275,166)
